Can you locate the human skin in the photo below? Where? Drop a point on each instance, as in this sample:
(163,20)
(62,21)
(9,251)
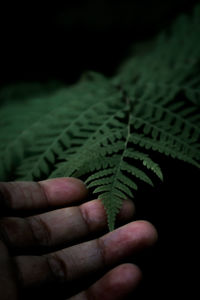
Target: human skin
(63,220)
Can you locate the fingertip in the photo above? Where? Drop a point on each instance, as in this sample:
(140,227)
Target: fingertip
(117,283)
(128,239)
(64,190)
(127,211)
(128,276)
(76,182)
(149,232)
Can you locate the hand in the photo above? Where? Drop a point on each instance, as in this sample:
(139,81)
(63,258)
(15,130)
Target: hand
(47,234)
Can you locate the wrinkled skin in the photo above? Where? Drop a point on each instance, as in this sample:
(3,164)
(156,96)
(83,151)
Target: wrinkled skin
(53,216)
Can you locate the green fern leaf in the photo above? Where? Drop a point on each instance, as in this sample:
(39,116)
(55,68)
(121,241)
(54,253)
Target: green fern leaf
(108,131)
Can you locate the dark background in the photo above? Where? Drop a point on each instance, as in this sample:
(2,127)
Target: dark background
(60,40)
(42,42)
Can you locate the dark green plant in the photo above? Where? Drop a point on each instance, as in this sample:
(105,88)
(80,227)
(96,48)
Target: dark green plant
(106,130)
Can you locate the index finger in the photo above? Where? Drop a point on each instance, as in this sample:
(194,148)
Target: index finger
(44,194)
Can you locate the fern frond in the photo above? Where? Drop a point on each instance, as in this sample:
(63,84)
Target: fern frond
(108,131)
(146,160)
(165,148)
(18,128)
(75,110)
(89,155)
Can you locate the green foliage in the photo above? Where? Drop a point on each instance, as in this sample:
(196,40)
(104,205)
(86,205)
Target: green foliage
(105,130)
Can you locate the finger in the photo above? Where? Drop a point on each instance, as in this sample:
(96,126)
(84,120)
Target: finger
(8,286)
(82,260)
(44,194)
(115,285)
(60,226)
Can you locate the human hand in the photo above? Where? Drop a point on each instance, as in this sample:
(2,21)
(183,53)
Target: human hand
(65,229)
